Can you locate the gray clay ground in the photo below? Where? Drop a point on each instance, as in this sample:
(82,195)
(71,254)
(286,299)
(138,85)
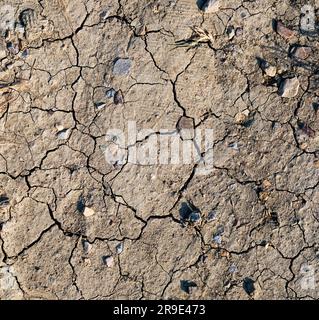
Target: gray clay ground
(73,226)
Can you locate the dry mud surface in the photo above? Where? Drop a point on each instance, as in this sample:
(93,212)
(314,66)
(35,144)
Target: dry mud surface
(74,226)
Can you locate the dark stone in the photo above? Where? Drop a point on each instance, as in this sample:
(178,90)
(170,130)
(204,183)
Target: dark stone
(80,206)
(186,285)
(201,3)
(188,212)
(4,201)
(118,97)
(274,219)
(25,53)
(249,286)
(263,243)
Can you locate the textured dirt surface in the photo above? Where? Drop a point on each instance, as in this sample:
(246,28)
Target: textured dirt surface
(73,226)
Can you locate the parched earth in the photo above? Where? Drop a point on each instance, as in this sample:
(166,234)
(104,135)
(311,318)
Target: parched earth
(76,226)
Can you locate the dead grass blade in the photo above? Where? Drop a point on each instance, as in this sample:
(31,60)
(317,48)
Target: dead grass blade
(198,37)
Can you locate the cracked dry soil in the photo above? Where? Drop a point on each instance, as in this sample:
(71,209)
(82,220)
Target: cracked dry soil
(73,226)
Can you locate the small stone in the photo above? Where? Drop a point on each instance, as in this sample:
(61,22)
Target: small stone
(185,126)
(122,66)
(232,268)
(194,217)
(118,98)
(119,248)
(220,230)
(270,71)
(217,239)
(104,14)
(185,123)
(13,48)
(4,201)
(110,93)
(156,8)
(189,213)
(289,87)
(241,117)
(246,112)
(284,31)
(273,219)
(316,164)
(27,17)
(100,105)
(25,53)
(266,184)
(63,134)
(59,127)
(80,205)
(230,31)
(210,6)
(234,145)
(88,212)
(211,216)
(108,261)
(301,53)
(86,246)
(239,32)
(248,285)
(188,286)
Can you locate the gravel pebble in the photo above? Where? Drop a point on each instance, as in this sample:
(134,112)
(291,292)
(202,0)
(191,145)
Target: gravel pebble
(301,53)
(122,66)
(210,6)
(88,212)
(119,248)
(108,261)
(63,134)
(284,31)
(289,88)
